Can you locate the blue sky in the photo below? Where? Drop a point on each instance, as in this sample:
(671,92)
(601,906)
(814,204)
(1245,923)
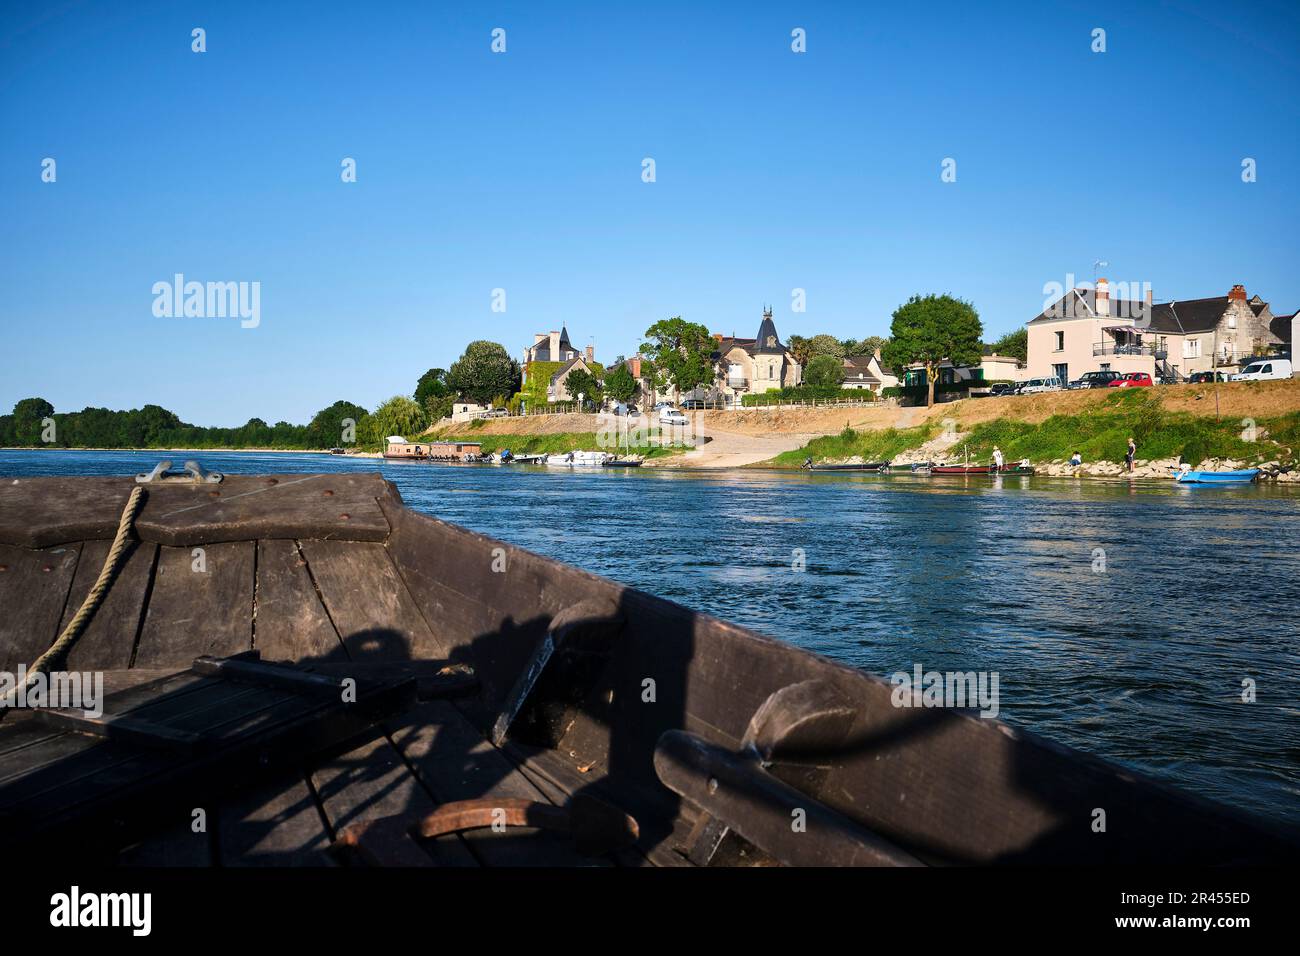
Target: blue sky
(522,171)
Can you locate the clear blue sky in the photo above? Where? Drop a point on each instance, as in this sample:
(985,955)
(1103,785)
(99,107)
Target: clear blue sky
(522,171)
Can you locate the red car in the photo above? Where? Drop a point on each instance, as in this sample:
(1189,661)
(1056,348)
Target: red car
(1133,380)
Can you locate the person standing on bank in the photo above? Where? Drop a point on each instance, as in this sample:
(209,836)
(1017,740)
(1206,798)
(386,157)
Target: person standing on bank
(997,458)
(1130,454)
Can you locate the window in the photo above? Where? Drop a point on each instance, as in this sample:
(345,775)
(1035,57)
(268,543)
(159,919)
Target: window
(1232,321)
(1060,341)
(1191,348)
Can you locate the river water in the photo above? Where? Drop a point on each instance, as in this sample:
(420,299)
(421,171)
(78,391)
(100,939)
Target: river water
(1122,619)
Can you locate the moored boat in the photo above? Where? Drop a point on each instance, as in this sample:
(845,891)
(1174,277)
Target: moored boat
(859,466)
(1243,476)
(532,712)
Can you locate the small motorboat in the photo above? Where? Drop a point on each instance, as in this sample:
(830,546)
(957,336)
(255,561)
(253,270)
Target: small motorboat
(861,466)
(632,461)
(1187,476)
(527,459)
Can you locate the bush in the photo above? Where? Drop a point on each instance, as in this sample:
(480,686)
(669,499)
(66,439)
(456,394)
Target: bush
(806,393)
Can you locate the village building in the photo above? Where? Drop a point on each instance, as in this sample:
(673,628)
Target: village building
(1086,330)
(750,366)
(557,389)
(865,372)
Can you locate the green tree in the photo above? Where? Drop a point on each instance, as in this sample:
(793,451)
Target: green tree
(400,415)
(432,382)
(682,353)
(485,370)
(930,329)
(620,384)
(438,407)
(28,414)
(866,346)
(824,345)
(824,371)
(799,348)
(326,429)
(1013,343)
(581,382)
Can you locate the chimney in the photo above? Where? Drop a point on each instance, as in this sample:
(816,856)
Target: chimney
(539,338)
(1103,297)
(555,346)
(1238,292)
(591,353)
(1149,295)
(717,336)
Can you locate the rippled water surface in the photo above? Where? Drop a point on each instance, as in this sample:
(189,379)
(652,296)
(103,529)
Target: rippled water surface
(1142,661)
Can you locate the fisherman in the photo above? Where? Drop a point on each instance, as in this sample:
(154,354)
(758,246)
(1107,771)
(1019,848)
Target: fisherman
(1076,460)
(997,458)
(807,462)
(1130,454)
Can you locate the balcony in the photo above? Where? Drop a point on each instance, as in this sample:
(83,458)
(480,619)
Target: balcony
(1130,350)
(738,382)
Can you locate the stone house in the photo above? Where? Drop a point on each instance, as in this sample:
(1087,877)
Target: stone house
(751,366)
(1086,330)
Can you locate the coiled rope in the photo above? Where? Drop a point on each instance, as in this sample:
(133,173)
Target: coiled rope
(96,596)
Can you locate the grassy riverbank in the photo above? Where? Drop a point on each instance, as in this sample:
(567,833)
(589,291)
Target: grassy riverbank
(1099,431)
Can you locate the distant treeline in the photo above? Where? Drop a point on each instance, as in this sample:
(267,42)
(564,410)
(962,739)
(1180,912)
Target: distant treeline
(35,422)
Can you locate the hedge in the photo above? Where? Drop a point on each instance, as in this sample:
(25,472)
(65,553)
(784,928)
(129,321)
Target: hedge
(806,393)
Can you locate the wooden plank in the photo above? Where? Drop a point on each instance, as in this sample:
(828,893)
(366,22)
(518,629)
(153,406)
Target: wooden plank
(374,781)
(34,588)
(278,824)
(192,613)
(291,621)
(37,512)
(455,762)
(109,638)
(368,601)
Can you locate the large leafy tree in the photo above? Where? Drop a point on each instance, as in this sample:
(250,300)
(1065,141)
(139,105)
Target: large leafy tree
(28,414)
(432,382)
(581,382)
(620,384)
(485,371)
(824,371)
(400,415)
(929,329)
(865,346)
(1013,343)
(326,429)
(824,345)
(799,348)
(682,353)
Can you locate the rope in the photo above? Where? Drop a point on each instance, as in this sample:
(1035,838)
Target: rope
(96,596)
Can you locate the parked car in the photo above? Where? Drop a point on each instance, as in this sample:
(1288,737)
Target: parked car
(1199,378)
(692,404)
(628,410)
(1133,380)
(1002,388)
(671,416)
(1100,379)
(496,413)
(1036,385)
(1265,370)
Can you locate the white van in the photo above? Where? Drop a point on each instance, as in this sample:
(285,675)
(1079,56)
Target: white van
(1035,385)
(1264,370)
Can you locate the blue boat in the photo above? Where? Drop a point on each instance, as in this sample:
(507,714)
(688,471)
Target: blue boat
(1242,477)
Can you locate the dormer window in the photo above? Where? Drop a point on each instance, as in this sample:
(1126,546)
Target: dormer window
(771,341)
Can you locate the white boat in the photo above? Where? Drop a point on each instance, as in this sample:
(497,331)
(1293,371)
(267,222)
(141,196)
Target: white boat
(579,459)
